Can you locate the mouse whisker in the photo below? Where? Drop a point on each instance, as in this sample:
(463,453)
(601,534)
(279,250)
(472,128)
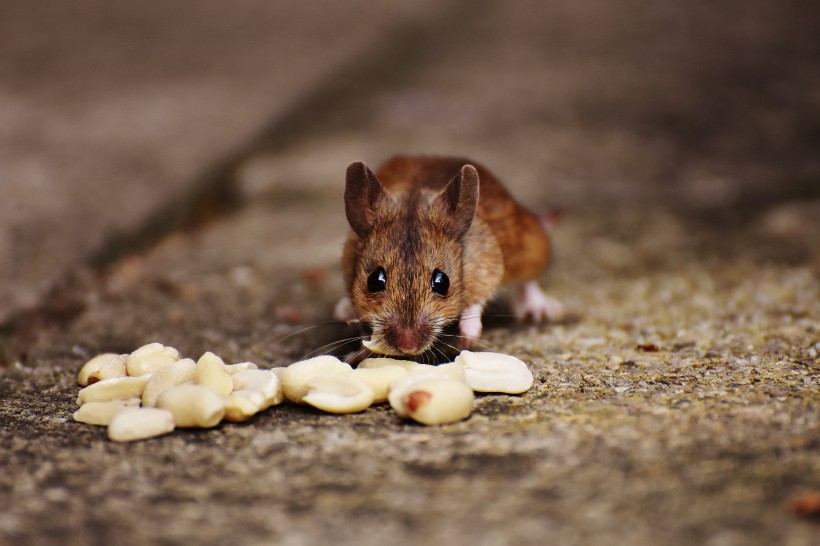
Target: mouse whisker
(440,354)
(273,339)
(446,356)
(331,346)
(442,342)
(483,344)
(355,357)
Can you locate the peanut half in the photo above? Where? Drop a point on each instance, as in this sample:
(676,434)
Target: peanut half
(265,382)
(380,362)
(242,405)
(338,394)
(495,372)
(104,366)
(451,370)
(379,379)
(177,373)
(132,424)
(240,367)
(432,399)
(150,358)
(101,413)
(210,372)
(295,377)
(193,406)
(113,389)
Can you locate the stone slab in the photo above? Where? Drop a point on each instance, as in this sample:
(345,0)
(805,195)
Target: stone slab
(677,404)
(111,111)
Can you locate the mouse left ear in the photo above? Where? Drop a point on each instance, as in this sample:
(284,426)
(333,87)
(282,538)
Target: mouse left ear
(457,202)
(364,197)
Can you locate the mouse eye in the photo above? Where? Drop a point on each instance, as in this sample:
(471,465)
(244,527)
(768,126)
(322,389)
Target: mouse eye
(441,283)
(377,281)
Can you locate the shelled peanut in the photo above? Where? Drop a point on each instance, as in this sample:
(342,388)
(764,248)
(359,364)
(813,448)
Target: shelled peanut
(119,390)
(179,392)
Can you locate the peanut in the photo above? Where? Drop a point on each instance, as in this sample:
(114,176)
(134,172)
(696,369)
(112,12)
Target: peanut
(495,372)
(295,378)
(452,370)
(104,366)
(210,372)
(240,367)
(379,379)
(380,362)
(177,373)
(449,369)
(263,381)
(432,399)
(132,424)
(150,358)
(338,394)
(113,389)
(193,406)
(100,413)
(241,408)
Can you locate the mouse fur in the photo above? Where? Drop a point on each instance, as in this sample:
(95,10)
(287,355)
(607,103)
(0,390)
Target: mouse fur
(418,215)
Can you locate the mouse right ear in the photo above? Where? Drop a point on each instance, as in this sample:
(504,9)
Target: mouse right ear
(364,194)
(456,204)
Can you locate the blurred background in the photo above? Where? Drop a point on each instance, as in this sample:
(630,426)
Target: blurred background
(173,171)
(121,122)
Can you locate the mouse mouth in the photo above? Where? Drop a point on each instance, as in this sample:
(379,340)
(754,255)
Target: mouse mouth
(377,343)
(378,346)
(398,340)
(374,340)
(366,329)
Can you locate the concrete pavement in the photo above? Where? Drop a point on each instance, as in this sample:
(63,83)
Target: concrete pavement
(676,404)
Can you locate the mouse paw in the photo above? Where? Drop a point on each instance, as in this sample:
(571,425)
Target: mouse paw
(344,310)
(534,305)
(469,326)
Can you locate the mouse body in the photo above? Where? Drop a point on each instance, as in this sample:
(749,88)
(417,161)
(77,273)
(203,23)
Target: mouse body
(432,239)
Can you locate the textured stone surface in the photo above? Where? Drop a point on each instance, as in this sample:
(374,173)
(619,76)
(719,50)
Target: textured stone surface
(677,403)
(112,112)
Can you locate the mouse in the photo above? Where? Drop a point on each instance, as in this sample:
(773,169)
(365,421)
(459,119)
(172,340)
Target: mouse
(431,241)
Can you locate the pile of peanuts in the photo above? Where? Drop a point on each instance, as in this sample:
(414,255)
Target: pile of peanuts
(152,391)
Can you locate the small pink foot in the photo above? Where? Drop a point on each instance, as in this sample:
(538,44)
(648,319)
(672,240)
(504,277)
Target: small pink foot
(344,310)
(469,326)
(534,305)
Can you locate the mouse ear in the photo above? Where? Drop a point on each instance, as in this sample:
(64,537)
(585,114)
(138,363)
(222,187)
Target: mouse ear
(458,201)
(363,195)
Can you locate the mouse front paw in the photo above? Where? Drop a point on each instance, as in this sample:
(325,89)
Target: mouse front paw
(533,304)
(469,326)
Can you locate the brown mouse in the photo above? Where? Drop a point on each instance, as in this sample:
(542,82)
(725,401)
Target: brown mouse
(432,240)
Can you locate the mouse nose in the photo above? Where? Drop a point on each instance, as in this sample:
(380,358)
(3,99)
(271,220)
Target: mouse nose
(407,339)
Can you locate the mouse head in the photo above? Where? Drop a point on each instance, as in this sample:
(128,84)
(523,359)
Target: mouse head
(407,277)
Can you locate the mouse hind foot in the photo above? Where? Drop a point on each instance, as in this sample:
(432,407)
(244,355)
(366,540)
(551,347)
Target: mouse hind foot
(344,310)
(533,304)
